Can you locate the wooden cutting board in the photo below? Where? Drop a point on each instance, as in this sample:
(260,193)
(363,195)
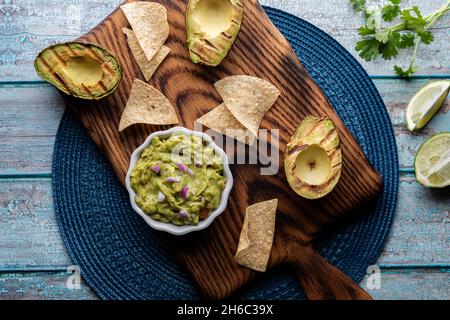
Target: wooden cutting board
(262,51)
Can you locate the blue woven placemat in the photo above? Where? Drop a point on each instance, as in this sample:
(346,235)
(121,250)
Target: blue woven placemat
(122,258)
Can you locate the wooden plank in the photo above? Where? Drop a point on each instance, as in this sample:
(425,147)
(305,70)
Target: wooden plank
(28,125)
(29,234)
(421,228)
(28,31)
(66,17)
(41,286)
(33,112)
(395,284)
(29,110)
(26,155)
(30,237)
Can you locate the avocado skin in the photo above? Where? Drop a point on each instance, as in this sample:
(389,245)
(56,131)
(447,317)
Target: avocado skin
(49,61)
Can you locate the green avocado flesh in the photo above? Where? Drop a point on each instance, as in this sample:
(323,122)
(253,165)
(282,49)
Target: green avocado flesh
(82,70)
(313,159)
(178,180)
(212,27)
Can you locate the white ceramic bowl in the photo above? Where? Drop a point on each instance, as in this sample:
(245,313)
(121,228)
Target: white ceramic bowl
(169,227)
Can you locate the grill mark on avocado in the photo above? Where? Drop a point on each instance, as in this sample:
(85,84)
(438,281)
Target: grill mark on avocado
(55,75)
(199,56)
(69,48)
(331,155)
(105,65)
(297,149)
(238,4)
(65,85)
(226,35)
(315,127)
(87,90)
(57,56)
(193,51)
(311,130)
(49,69)
(103,86)
(336,165)
(210,44)
(331,133)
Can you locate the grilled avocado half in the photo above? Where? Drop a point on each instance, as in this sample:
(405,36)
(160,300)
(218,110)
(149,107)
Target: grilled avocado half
(82,70)
(212,28)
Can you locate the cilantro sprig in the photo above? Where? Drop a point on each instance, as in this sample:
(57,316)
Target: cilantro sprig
(391,28)
(359,5)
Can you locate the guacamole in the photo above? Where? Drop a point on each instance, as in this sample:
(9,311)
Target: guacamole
(178,180)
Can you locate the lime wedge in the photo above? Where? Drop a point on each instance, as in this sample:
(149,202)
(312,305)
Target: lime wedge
(432,164)
(426,103)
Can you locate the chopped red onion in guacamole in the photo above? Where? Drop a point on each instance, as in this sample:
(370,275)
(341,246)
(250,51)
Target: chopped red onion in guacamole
(173,179)
(182,167)
(184,192)
(183,214)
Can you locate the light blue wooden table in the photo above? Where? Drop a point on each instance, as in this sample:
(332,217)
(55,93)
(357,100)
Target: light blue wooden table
(415,263)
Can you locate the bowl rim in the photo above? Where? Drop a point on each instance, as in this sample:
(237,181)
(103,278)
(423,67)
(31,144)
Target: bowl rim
(169,227)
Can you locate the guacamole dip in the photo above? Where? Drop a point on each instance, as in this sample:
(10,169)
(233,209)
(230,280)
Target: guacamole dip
(178,179)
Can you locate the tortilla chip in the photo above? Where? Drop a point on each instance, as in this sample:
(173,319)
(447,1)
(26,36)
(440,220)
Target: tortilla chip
(257,235)
(248,99)
(147,67)
(149,22)
(221,120)
(147,105)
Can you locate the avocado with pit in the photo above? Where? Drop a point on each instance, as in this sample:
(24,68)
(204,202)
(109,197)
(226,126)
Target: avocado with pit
(82,70)
(313,159)
(212,27)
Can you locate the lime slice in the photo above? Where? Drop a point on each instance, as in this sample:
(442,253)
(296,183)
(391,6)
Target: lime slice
(432,164)
(425,104)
